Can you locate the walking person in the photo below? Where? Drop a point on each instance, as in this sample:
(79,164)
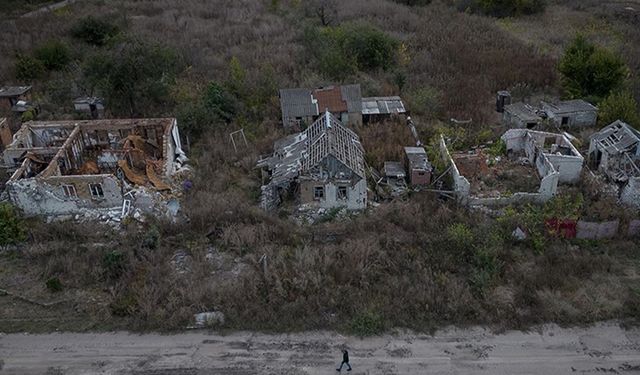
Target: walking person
(345,361)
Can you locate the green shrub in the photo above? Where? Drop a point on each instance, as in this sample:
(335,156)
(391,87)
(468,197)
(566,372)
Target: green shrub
(619,106)
(28,68)
(54,285)
(460,236)
(124,305)
(114,264)
(54,55)
(151,238)
(94,31)
(11,226)
(343,50)
(368,323)
(589,71)
(503,8)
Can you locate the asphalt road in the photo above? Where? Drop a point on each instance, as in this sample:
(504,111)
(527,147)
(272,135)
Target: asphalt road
(604,348)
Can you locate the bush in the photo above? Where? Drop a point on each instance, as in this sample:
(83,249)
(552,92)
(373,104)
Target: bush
(589,71)
(114,264)
(341,51)
(503,8)
(94,31)
(54,55)
(414,2)
(54,285)
(368,323)
(619,106)
(11,226)
(28,68)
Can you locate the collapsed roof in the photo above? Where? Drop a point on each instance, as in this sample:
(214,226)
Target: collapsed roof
(299,153)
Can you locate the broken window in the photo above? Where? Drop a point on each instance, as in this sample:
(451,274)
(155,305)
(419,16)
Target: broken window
(341,193)
(69,191)
(96,191)
(318,192)
(565,121)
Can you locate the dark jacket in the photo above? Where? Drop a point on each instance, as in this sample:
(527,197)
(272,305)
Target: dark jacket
(345,356)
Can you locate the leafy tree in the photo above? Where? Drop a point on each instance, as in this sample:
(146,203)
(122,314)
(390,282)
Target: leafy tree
(54,55)
(342,51)
(11,227)
(94,31)
(589,71)
(135,78)
(619,106)
(28,68)
(503,8)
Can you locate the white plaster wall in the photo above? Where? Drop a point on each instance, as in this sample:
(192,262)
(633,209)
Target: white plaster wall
(356,196)
(569,167)
(37,197)
(461,185)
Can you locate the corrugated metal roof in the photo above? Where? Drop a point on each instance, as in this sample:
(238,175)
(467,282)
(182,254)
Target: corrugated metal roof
(304,102)
(382,105)
(12,91)
(353,96)
(330,99)
(576,105)
(417,158)
(297,103)
(522,111)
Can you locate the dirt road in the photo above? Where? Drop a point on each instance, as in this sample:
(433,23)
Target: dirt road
(604,348)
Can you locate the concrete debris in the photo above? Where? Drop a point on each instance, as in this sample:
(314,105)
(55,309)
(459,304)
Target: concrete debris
(181,262)
(519,234)
(209,319)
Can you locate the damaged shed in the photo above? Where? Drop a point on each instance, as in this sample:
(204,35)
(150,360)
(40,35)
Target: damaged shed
(571,113)
(65,167)
(323,166)
(381,107)
(615,152)
(303,106)
(520,115)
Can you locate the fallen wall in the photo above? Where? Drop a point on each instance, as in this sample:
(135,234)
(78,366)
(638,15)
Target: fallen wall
(630,193)
(37,196)
(461,185)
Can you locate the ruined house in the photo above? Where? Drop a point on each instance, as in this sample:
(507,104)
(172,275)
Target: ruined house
(303,106)
(571,113)
(11,95)
(615,152)
(323,166)
(530,171)
(418,166)
(69,167)
(382,107)
(6,135)
(556,148)
(521,115)
(91,106)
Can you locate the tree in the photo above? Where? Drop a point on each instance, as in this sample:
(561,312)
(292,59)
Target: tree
(54,55)
(589,71)
(325,10)
(94,31)
(11,227)
(28,68)
(342,51)
(619,106)
(135,79)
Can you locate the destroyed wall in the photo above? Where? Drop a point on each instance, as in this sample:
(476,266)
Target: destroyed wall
(462,187)
(331,175)
(36,196)
(556,148)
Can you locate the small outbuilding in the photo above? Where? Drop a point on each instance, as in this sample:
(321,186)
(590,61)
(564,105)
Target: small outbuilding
(89,105)
(521,115)
(419,169)
(382,107)
(571,113)
(301,106)
(11,95)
